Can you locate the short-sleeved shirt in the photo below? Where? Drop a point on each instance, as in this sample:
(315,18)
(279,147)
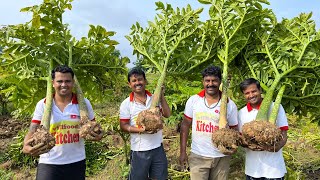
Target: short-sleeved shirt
(263,163)
(64,126)
(205,121)
(129,110)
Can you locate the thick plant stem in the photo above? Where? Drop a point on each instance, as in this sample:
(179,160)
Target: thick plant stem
(84,114)
(275,109)
(224,99)
(45,122)
(157,92)
(264,108)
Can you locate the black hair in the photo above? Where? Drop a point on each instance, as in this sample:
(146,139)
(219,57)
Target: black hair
(247,82)
(211,71)
(136,71)
(62,69)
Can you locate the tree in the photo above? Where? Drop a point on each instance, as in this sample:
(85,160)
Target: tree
(27,49)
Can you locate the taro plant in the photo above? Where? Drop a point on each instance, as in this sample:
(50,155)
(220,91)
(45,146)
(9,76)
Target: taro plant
(28,47)
(235,22)
(172,45)
(285,59)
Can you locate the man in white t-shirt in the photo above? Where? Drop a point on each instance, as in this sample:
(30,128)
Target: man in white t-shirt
(202,112)
(148,159)
(268,163)
(66,160)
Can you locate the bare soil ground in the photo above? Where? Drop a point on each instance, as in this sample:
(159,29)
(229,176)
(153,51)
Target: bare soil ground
(9,128)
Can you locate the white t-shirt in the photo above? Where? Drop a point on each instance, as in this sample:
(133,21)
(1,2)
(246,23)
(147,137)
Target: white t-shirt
(129,110)
(205,121)
(263,163)
(64,126)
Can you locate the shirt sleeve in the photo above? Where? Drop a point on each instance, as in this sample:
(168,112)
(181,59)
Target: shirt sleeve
(240,121)
(188,111)
(38,112)
(232,114)
(90,110)
(125,111)
(282,120)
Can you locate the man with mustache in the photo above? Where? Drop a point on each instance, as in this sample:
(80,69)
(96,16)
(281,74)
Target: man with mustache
(262,164)
(202,112)
(148,159)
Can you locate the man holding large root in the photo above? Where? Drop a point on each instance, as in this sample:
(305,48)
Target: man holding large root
(262,162)
(66,160)
(202,112)
(148,159)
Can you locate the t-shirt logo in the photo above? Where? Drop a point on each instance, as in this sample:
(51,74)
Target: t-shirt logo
(73,116)
(206,123)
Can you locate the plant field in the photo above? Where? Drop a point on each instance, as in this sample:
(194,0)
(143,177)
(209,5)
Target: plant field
(106,159)
(243,37)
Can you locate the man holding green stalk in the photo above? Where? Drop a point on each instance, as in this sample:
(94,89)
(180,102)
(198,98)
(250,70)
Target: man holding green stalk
(262,163)
(202,112)
(66,160)
(147,158)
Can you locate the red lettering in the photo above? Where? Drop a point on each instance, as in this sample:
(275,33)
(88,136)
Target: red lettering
(207,128)
(75,138)
(57,138)
(70,139)
(60,137)
(198,126)
(65,138)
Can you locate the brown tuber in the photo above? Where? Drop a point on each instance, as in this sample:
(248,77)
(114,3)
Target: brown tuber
(226,140)
(87,128)
(260,134)
(151,119)
(41,135)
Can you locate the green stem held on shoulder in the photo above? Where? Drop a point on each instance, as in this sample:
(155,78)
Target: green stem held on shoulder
(45,121)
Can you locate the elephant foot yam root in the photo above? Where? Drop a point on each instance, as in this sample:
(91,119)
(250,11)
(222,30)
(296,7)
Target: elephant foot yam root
(261,134)
(226,140)
(87,128)
(151,119)
(42,135)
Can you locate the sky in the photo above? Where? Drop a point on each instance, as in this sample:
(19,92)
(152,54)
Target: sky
(120,15)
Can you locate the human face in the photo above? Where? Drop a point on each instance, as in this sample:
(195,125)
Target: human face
(63,84)
(253,95)
(211,85)
(137,83)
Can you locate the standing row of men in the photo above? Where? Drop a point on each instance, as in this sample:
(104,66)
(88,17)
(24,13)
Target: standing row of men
(148,158)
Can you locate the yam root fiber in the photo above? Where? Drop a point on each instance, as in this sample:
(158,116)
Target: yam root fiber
(42,135)
(87,128)
(260,134)
(226,140)
(151,119)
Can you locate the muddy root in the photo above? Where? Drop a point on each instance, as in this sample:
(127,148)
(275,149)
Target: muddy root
(151,119)
(260,134)
(42,135)
(87,128)
(226,140)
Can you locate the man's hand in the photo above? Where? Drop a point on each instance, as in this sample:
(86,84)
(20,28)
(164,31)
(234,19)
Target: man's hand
(35,150)
(274,148)
(183,161)
(255,147)
(95,133)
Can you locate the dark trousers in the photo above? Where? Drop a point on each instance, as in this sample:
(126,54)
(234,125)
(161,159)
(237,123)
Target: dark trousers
(74,171)
(263,178)
(150,164)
